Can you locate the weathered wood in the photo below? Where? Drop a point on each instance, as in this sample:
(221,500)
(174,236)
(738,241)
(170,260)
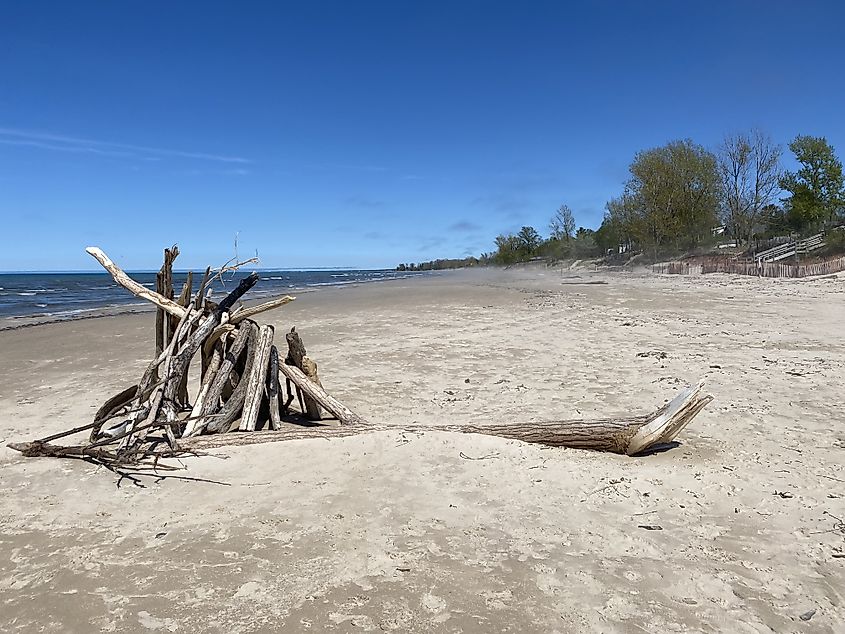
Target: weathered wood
(161,317)
(185,300)
(233,407)
(252,311)
(165,325)
(309,369)
(318,394)
(664,425)
(612,435)
(296,349)
(630,436)
(211,400)
(169,306)
(112,406)
(256,379)
(201,290)
(183,358)
(220,419)
(297,356)
(274,388)
(187,290)
(209,375)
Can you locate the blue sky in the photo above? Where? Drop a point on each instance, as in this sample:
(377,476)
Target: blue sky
(371,133)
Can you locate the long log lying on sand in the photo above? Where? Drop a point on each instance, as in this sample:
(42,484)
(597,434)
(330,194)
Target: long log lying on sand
(628,436)
(624,436)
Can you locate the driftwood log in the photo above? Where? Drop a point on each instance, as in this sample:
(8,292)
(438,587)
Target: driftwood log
(240,389)
(298,358)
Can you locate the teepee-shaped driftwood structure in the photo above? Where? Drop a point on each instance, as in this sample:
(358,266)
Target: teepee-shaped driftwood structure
(241,390)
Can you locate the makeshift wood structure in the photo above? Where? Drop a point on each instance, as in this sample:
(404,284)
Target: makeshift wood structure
(241,390)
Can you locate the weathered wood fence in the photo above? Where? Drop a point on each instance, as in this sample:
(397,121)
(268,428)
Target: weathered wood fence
(741,267)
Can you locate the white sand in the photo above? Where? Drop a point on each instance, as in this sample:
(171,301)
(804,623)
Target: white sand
(397,531)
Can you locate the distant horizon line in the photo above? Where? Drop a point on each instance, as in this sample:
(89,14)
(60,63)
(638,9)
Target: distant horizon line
(200,270)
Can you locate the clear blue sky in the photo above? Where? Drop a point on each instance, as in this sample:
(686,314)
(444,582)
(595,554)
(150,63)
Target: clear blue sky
(370,133)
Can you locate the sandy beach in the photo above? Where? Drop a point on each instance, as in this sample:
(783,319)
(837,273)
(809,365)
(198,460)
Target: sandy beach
(420,532)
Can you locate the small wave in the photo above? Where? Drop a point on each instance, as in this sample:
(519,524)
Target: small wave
(334,283)
(26,294)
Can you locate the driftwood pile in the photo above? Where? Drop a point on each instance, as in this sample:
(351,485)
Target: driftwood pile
(241,390)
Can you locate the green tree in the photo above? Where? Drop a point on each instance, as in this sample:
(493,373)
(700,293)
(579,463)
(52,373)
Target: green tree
(529,239)
(816,190)
(671,199)
(508,249)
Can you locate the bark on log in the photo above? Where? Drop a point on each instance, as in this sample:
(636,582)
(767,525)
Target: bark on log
(256,379)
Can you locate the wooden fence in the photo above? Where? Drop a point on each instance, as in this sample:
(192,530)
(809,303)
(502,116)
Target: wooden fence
(765,269)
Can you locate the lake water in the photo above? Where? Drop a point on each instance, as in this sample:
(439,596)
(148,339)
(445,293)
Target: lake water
(71,295)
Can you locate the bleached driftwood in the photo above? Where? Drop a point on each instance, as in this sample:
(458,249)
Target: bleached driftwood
(257,379)
(319,395)
(134,287)
(252,311)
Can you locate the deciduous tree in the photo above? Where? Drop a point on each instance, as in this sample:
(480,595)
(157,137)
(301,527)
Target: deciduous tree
(816,190)
(562,224)
(749,166)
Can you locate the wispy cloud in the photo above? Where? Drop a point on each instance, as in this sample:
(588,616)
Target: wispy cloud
(363,202)
(464,226)
(347,166)
(62,143)
(431,243)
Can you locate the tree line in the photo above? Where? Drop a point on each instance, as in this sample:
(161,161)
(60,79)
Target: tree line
(682,196)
